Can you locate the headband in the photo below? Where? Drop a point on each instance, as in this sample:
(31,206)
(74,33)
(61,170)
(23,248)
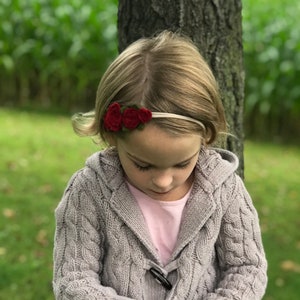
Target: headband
(126,118)
(175,116)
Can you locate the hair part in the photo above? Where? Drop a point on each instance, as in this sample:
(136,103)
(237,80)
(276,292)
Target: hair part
(165,73)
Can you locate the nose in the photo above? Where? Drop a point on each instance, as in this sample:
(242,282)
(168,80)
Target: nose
(162,180)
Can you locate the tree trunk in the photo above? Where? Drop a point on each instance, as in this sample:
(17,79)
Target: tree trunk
(215,26)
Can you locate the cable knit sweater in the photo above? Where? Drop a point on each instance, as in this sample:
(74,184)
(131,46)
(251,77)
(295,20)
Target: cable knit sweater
(104,251)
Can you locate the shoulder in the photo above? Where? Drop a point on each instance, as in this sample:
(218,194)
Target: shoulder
(101,168)
(90,186)
(101,173)
(216,174)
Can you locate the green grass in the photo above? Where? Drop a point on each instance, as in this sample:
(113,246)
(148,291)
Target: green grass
(273,179)
(39,152)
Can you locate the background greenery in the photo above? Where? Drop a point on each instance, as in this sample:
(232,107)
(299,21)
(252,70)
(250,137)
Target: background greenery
(52,55)
(53,52)
(39,152)
(272,63)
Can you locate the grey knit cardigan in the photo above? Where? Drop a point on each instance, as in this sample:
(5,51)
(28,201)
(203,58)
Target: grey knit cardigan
(103,249)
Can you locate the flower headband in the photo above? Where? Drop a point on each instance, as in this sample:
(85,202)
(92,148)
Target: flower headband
(124,118)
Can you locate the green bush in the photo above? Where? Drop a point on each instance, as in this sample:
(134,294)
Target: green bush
(53,51)
(272,63)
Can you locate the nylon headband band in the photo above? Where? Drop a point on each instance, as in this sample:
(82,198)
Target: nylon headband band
(157,115)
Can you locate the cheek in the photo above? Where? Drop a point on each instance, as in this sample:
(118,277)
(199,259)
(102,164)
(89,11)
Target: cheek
(138,179)
(133,174)
(186,175)
(128,169)
(189,171)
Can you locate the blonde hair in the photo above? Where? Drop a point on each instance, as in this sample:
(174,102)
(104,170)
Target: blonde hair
(165,73)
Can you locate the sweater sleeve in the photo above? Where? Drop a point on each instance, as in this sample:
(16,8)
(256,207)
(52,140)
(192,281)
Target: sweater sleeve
(78,247)
(240,250)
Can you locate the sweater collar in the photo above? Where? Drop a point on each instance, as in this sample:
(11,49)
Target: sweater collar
(198,210)
(131,215)
(212,169)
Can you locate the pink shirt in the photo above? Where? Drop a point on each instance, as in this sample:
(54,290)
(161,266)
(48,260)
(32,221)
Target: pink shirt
(163,219)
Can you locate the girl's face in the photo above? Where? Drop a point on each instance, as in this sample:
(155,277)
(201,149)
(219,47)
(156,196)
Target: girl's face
(157,163)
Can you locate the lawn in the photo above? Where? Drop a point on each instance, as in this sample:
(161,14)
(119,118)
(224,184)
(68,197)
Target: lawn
(39,152)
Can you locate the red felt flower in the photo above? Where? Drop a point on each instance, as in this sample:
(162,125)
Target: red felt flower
(113,118)
(131,118)
(145,115)
(119,118)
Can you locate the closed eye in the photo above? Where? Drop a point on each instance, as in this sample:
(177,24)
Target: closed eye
(183,165)
(142,168)
(148,167)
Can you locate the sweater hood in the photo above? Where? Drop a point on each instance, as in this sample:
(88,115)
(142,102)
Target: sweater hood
(214,166)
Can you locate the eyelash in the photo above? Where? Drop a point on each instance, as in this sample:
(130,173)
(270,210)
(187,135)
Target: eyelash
(144,169)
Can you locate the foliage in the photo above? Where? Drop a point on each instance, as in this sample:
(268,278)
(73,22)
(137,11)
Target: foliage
(39,154)
(53,51)
(272,62)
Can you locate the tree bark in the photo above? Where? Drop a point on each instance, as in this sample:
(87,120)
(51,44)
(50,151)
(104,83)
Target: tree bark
(215,26)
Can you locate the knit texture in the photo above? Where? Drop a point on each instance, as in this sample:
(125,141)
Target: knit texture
(103,249)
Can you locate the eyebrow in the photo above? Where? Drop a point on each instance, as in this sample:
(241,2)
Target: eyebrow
(147,163)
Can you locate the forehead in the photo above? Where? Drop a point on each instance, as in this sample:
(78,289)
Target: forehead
(157,147)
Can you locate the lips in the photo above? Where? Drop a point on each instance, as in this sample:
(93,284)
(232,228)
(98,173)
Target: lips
(160,193)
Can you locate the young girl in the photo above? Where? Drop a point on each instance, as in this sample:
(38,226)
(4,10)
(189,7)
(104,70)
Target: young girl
(159,214)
